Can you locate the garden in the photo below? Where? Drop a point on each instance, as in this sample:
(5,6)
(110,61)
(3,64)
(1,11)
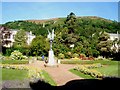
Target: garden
(83,42)
(95,69)
(14,67)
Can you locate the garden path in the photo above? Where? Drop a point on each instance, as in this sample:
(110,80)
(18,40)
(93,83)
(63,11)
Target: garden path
(60,74)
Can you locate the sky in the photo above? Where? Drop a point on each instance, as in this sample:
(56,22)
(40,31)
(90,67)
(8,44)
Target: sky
(12,11)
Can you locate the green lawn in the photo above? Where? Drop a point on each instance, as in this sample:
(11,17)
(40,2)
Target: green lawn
(14,61)
(109,70)
(12,74)
(103,62)
(48,78)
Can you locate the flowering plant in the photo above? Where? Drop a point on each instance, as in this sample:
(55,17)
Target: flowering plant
(16,55)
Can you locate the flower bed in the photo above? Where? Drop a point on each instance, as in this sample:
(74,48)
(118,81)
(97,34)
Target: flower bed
(96,65)
(88,71)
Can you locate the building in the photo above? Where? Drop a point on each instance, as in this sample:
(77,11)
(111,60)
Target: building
(8,36)
(114,37)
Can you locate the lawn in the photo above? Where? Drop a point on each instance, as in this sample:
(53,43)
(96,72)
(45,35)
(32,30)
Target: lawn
(12,74)
(14,61)
(110,68)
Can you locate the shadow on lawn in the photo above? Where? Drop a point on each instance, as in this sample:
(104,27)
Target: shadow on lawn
(108,83)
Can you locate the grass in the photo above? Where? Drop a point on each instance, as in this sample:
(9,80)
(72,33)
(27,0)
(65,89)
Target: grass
(12,74)
(103,62)
(109,70)
(14,61)
(81,74)
(48,78)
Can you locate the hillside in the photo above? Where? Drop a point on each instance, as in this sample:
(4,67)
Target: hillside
(57,19)
(92,23)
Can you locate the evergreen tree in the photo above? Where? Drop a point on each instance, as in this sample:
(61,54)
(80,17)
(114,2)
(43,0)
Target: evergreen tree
(104,44)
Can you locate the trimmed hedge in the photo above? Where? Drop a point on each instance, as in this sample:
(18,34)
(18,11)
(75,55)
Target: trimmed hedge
(14,61)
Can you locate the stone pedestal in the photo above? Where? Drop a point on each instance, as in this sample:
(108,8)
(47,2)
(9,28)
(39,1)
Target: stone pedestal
(51,60)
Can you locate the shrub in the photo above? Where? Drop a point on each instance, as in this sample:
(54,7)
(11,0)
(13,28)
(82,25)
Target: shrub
(75,55)
(16,55)
(82,56)
(68,55)
(61,56)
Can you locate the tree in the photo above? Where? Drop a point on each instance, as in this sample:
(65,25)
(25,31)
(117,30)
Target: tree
(68,34)
(39,46)
(71,23)
(104,45)
(20,39)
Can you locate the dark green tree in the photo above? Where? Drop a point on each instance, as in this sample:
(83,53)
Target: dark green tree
(104,44)
(39,46)
(71,23)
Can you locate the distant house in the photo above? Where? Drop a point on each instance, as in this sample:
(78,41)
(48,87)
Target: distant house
(113,37)
(8,36)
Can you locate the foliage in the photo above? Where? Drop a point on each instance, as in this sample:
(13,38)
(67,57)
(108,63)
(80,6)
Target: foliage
(39,46)
(16,55)
(20,39)
(61,56)
(104,44)
(83,32)
(75,55)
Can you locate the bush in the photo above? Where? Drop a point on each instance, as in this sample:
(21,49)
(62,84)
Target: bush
(75,55)
(82,56)
(68,55)
(16,55)
(61,56)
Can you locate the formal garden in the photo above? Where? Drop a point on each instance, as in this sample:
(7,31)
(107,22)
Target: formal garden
(16,68)
(82,42)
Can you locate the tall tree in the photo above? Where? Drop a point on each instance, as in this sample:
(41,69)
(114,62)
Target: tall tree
(20,39)
(104,44)
(71,23)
